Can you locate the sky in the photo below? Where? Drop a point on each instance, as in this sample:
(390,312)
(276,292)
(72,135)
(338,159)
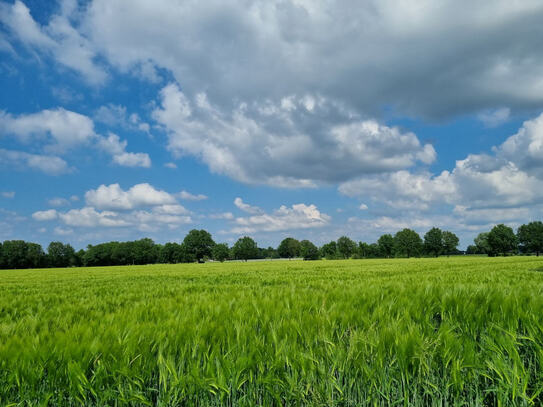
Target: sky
(304,118)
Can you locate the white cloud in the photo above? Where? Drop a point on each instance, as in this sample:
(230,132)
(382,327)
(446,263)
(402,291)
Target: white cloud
(224,215)
(170,165)
(113,197)
(496,117)
(133,160)
(90,217)
(8,194)
(62,129)
(191,197)
(363,207)
(63,231)
(246,207)
(117,116)
(263,143)
(58,202)
(21,160)
(50,214)
(74,198)
(299,216)
(117,148)
(59,39)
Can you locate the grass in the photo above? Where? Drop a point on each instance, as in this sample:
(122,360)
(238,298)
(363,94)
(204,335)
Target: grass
(418,332)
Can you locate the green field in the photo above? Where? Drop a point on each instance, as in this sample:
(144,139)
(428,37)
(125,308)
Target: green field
(445,331)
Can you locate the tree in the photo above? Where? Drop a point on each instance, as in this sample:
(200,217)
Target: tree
(329,250)
(289,248)
(407,242)
(60,255)
(220,252)
(309,251)
(481,243)
(502,239)
(450,242)
(433,242)
(346,247)
(21,254)
(386,245)
(530,237)
(199,243)
(245,248)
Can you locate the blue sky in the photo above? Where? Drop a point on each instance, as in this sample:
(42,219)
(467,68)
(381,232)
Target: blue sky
(129,119)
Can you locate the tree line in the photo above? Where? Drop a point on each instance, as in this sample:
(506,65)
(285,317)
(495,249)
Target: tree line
(199,246)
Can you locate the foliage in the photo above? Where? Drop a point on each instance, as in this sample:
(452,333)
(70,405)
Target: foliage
(502,239)
(335,333)
(481,242)
(289,248)
(245,248)
(220,252)
(530,236)
(329,251)
(346,247)
(407,243)
(309,251)
(386,245)
(433,242)
(450,242)
(199,243)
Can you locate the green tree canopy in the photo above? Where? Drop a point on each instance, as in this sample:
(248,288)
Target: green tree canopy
(329,250)
(309,251)
(220,252)
(289,248)
(433,242)
(245,248)
(502,239)
(199,243)
(346,247)
(386,245)
(530,237)
(60,254)
(450,242)
(407,243)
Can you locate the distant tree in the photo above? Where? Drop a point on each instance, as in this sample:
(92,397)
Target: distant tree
(473,249)
(502,239)
(329,250)
(2,266)
(60,255)
(386,245)
(362,250)
(450,242)
(408,243)
(530,237)
(481,242)
(433,242)
(270,253)
(21,254)
(220,252)
(289,248)
(245,248)
(309,251)
(199,243)
(346,247)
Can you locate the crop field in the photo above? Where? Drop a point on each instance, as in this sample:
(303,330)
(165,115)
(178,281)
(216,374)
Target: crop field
(410,332)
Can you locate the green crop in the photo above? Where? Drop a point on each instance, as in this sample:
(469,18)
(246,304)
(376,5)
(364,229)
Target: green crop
(406,332)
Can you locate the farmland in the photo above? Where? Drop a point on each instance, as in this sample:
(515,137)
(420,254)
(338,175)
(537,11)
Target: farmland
(444,331)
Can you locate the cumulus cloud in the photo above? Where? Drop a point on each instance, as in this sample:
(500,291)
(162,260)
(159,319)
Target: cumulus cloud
(61,130)
(59,38)
(48,164)
(506,185)
(493,118)
(58,202)
(117,116)
(297,144)
(191,197)
(90,217)
(113,197)
(298,216)
(246,207)
(50,214)
(223,215)
(360,53)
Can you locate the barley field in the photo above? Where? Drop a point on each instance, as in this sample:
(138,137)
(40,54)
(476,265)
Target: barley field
(408,332)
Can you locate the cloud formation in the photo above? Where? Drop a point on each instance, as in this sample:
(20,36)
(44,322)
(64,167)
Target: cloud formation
(296,143)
